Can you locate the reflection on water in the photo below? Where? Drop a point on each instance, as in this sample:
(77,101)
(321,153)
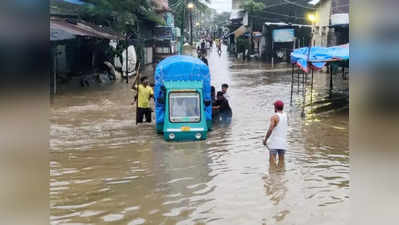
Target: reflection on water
(106,170)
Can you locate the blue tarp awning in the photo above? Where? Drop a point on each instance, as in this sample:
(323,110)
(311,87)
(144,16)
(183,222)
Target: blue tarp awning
(319,56)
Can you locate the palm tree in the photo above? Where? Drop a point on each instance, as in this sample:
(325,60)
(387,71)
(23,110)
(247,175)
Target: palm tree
(178,8)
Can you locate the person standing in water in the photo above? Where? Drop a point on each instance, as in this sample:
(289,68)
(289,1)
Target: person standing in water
(276,136)
(223,111)
(203,59)
(225,87)
(145,93)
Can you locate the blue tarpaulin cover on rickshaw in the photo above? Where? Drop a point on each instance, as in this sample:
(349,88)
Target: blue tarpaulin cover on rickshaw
(319,56)
(180,68)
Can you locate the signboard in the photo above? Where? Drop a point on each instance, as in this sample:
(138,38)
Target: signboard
(283,35)
(340,19)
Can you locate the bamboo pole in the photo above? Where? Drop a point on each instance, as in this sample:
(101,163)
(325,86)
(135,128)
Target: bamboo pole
(292,83)
(127,59)
(138,88)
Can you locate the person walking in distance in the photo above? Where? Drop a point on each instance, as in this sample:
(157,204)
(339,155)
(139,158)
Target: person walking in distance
(203,59)
(276,136)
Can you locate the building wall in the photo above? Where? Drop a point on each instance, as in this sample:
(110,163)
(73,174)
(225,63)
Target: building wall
(340,21)
(321,26)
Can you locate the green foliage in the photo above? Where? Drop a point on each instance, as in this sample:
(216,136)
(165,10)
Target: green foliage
(242,44)
(178,7)
(253,7)
(222,19)
(121,15)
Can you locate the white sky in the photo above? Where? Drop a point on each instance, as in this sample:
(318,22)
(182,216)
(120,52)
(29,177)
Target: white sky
(221,5)
(225,5)
(314,2)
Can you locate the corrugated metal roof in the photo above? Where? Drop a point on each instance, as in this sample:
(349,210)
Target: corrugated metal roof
(60,35)
(286,24)
(63,27)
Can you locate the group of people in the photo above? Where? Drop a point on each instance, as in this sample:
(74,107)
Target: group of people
(205,44)
(221,109)
(275,139)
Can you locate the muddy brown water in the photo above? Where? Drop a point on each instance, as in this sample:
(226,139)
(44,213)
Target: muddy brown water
(106,170)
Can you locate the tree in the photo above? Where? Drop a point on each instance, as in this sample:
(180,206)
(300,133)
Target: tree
(254,8)
(179,9)
(222,19)
(123,16)
(120,15)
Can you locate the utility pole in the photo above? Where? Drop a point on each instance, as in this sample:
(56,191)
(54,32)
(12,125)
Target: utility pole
(127,58)
(191,27)
(182,29)
(190,6)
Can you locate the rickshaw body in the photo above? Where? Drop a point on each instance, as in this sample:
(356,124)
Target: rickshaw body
(183,107)
(185,118)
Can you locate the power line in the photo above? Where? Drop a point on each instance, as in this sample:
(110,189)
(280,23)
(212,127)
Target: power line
(285,15)
(274,5)
(299,5)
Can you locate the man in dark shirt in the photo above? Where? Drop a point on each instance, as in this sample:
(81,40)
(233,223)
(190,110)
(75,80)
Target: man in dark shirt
(224,111)
(203,45)
(203,58)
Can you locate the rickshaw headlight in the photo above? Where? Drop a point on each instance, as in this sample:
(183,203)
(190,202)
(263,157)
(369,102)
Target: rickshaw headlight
(172,136)
(198,135)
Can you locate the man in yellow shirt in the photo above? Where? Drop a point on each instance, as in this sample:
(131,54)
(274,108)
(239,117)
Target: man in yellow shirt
(144,93)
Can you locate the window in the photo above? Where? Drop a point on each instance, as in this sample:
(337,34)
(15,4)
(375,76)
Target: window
(184,107)
(163,50)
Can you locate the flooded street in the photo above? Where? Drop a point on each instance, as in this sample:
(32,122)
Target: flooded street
(106,170)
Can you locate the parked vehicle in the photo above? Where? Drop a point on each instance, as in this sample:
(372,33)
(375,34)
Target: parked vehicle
(182,95)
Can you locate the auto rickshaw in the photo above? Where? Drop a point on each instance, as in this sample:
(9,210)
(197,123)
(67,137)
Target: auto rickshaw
(182,95)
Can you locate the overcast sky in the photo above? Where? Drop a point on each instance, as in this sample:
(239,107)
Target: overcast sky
(314,2)
(225,5)
(221,5)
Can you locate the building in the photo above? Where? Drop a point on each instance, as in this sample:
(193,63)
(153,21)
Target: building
(279,39)
(321,27)
(332,24)
(339,22)
(78,48)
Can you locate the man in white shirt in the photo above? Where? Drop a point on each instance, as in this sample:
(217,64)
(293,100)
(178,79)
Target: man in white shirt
(277,144)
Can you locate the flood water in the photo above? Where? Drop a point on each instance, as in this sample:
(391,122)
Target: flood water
(106,170)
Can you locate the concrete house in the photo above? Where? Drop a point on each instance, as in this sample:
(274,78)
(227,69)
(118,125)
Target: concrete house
(332,24)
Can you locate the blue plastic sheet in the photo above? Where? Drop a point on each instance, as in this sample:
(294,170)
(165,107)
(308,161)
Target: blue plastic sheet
(319,56)
(180,68)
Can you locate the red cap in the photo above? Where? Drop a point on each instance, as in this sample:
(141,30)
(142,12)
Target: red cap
(278,104)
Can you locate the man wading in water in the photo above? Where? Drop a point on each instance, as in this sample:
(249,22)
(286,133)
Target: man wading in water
(277,144)
(145,93)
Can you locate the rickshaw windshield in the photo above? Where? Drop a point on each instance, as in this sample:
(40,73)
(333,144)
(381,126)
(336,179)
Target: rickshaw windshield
(184,107)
